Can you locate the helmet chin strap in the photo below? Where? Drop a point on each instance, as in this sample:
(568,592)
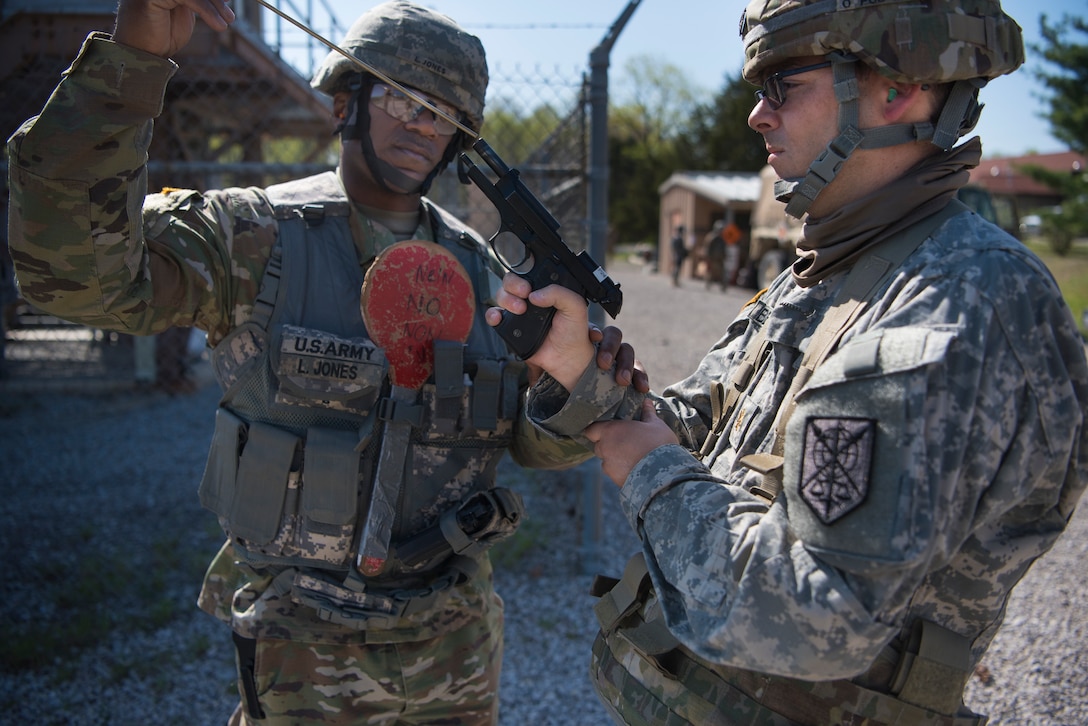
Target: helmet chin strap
(356,126)
(800,193)
(958,117)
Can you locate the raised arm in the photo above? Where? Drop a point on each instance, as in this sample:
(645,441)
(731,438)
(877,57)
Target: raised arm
(163,27)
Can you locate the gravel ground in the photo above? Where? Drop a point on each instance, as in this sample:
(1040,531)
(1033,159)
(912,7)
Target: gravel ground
(106,543)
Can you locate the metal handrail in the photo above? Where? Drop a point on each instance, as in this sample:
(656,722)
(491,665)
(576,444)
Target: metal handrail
(335,28)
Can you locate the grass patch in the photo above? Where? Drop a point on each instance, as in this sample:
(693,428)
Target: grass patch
(13,404)
(85,600)
(509,552)
(37,644)
(1071,272)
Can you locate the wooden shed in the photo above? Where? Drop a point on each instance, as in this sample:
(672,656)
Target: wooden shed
(696,200)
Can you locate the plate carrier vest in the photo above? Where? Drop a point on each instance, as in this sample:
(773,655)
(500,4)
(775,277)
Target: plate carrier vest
(306,397)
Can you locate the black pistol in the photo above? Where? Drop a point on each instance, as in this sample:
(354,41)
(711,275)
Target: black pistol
(523,215)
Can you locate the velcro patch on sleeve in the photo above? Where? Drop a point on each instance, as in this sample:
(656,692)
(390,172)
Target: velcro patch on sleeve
(836,465)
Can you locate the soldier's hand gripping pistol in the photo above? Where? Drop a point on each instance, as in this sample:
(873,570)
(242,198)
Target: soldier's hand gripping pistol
(552,260)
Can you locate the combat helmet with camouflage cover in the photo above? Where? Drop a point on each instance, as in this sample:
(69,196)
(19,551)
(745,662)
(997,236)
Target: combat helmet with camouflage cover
(417,48)
(964,43)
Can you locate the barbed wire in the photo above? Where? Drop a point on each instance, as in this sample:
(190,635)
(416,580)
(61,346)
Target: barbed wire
(535,26)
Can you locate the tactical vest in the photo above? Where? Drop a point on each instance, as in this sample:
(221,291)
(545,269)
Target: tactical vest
(306,401)
(645,676)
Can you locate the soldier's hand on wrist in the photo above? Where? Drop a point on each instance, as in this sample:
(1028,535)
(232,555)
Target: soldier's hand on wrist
(620,445)
(613,351)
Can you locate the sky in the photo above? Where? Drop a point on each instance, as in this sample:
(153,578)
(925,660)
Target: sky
(700,38)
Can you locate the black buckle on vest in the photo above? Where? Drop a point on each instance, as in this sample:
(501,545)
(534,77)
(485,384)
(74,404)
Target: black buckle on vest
(314,214)
(391,410)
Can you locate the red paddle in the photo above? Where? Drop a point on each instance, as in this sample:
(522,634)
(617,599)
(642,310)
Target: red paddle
(415,293)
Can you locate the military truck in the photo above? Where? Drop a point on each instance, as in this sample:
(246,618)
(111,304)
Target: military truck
(771,248)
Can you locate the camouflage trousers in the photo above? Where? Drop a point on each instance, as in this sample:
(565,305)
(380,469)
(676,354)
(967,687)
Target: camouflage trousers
(452,679)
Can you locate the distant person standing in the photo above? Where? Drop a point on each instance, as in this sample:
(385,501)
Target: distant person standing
(173,361)
(714,244)
(679,254)
(735,257)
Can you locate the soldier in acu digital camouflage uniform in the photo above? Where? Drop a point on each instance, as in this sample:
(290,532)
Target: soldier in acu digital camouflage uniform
(835,506)
(274,277)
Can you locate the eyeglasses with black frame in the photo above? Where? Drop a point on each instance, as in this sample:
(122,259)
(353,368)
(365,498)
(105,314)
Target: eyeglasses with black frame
(405,108)
(774,90)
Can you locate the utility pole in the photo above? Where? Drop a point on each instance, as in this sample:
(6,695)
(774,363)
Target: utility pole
(598,250)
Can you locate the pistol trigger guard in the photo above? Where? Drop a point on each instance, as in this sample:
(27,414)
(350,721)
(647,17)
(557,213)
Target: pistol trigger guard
(527,254)
(462,168)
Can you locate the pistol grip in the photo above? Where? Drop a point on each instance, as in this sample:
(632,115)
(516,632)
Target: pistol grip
(525,333)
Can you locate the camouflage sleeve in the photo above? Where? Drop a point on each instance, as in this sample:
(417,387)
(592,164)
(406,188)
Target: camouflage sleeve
(930,460)
(556,417)
(537,448)
(735,582)
(79,218)
(597,397)
(552,421)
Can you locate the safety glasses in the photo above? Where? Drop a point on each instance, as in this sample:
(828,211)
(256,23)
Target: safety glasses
(403,108)
(774,90)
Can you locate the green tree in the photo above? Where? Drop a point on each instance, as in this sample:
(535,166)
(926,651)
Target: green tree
(1068,82)
(719,136)
(668,125)
(644,130)
(1066,79)
(515,133)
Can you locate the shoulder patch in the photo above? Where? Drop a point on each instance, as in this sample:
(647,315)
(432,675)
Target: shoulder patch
(836,465)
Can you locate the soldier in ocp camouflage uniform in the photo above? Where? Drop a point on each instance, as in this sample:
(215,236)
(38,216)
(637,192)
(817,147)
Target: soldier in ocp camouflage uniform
(274,276)
(835,506)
